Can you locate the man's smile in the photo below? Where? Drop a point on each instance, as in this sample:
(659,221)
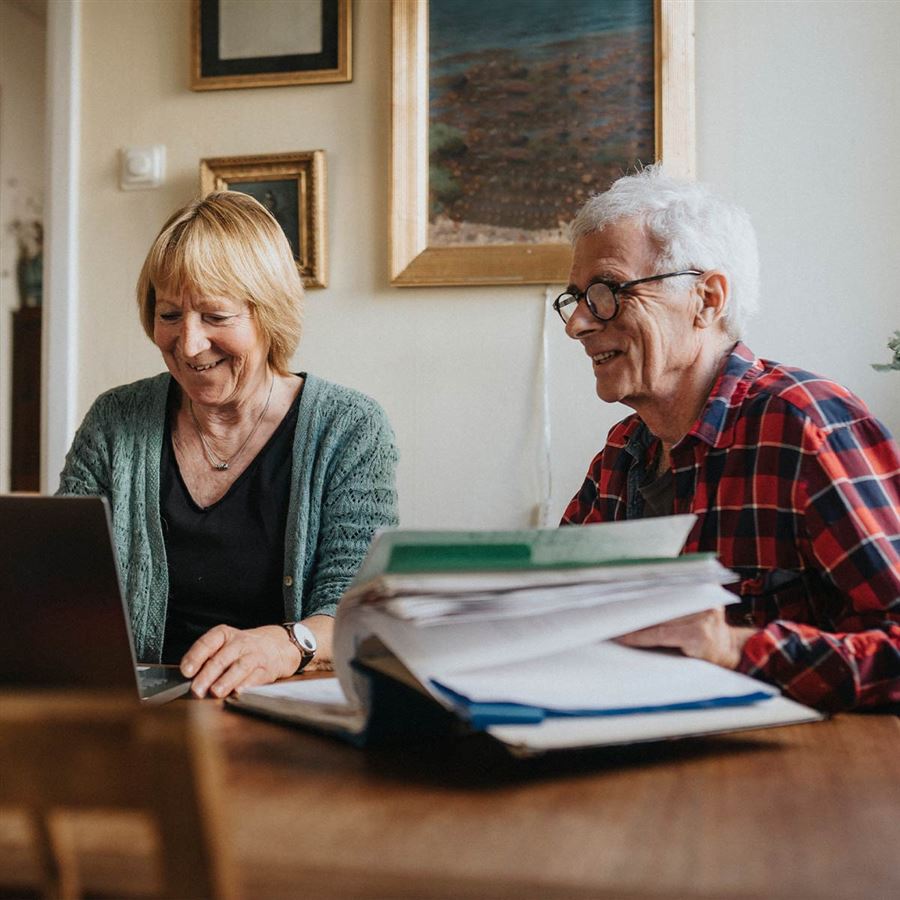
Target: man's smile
(599,358)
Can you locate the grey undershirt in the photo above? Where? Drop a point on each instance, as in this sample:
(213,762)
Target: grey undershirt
(659,495)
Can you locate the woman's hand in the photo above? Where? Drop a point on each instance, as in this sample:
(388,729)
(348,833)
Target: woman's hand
(225,658)
(704,635)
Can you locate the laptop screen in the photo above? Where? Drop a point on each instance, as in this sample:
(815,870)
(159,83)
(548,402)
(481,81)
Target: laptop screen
(62,618)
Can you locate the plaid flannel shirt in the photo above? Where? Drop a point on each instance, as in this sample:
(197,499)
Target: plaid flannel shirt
(796,487)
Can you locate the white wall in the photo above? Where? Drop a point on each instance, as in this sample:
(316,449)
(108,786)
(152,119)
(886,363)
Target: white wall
(796,109)
(22,42)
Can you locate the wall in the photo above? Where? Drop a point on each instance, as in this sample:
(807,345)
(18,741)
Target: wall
(798,121)
(796,108)
(22,41)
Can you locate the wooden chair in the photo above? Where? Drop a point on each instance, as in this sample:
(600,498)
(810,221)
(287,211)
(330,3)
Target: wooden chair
(74,751)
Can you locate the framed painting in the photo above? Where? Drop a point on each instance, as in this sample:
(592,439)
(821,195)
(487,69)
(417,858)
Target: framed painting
(267,43)
(292,187)
(507,115)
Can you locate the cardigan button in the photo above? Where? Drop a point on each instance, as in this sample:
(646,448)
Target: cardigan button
(288,581)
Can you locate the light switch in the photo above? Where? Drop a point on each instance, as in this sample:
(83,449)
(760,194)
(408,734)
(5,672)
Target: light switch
(142,167)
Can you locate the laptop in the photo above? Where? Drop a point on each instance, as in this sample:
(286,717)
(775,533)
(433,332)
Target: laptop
(63,619)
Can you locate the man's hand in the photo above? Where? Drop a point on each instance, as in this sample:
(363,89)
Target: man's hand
(703,635)
(225,658)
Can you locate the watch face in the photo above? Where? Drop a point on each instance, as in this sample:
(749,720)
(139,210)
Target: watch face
(305,638)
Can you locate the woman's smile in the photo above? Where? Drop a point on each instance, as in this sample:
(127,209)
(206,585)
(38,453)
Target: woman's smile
(189,326)
(204,367)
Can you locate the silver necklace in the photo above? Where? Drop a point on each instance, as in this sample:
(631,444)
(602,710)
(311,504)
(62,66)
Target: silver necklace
(221,465)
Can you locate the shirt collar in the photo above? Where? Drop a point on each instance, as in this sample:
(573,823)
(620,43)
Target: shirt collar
(715,426)
(638,440)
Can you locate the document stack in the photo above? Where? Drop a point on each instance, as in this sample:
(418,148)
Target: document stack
(511,633)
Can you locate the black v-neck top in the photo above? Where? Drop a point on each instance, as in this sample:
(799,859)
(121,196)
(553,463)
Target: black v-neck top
(226,560)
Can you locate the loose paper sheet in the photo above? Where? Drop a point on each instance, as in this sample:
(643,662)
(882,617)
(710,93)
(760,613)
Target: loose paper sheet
(602,676)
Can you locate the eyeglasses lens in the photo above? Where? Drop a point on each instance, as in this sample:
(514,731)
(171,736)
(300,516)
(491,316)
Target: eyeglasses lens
(602,300)
(565,306)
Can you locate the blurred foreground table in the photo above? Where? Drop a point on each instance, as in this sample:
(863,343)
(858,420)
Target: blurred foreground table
(803,811)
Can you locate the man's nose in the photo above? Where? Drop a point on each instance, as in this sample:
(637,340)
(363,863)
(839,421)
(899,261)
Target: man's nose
(581,321)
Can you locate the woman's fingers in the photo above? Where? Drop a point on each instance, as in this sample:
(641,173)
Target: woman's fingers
(225,659)
(216,665)
(203,648)
(240,673)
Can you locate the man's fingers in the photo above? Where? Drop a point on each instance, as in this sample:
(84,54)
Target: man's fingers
(655,636)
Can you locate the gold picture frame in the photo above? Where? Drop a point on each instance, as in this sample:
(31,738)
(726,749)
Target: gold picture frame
(292,187)
(412,261)
(260,59)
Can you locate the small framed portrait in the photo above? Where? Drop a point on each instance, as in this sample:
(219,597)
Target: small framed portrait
(267,43)
(292,187)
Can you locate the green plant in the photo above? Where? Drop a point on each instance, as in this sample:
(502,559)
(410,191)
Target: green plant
(894,346)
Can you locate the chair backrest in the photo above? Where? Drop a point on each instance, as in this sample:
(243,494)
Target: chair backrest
(68,751)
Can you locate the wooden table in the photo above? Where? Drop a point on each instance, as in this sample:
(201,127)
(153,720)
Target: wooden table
(803,811)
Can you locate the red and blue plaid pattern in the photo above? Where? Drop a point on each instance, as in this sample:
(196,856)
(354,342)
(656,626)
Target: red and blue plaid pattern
(796,487)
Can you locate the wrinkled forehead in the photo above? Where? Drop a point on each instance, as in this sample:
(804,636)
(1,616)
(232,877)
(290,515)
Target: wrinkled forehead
(620,251)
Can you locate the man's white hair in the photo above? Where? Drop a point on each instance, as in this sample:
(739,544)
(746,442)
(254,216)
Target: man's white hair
(692,228)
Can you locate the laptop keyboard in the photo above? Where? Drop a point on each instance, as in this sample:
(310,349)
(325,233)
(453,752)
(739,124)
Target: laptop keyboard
(152,680)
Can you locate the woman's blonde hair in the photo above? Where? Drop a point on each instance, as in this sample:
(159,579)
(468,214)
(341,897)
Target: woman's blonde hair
(228,245)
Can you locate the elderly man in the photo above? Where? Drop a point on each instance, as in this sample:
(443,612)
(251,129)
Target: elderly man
(795,485)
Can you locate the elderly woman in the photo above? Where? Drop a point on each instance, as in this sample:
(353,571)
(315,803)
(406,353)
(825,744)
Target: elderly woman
(243,495)
(795,485)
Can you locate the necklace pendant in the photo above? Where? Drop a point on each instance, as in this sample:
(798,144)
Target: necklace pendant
(216,464)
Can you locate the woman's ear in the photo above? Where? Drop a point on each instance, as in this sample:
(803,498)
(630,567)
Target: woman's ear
(714,291)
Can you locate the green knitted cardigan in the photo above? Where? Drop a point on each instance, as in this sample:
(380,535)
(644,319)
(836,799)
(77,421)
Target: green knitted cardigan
(342,491)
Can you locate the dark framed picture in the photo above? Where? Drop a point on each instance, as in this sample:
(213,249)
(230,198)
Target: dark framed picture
(267,43)
(508,114)
(292,187)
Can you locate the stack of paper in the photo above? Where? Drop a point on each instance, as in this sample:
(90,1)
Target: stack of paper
(511,633)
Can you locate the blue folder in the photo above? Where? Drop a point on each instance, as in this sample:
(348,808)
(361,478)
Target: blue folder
(481,715)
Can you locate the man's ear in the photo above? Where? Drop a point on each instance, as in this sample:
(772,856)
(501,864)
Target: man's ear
(714,291)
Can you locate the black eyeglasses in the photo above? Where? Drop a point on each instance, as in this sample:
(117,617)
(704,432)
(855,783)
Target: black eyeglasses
(602,297)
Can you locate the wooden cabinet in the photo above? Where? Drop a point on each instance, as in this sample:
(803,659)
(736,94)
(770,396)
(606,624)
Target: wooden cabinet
(25,439)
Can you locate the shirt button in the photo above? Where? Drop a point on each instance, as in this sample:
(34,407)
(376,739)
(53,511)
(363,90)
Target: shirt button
(288,581)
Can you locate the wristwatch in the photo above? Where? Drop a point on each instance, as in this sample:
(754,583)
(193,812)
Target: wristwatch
(304,640)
